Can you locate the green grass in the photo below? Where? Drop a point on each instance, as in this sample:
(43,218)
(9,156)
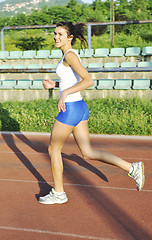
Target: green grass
(107,116)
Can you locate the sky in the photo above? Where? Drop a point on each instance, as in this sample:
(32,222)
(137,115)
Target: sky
(87,1)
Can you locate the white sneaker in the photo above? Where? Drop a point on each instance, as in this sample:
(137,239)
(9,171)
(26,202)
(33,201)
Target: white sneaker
(137,173)
(53,198)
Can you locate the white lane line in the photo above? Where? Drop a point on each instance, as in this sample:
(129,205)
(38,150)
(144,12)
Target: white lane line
(53,233)
(136,137)
(44,153)
(30,153)
(75,185)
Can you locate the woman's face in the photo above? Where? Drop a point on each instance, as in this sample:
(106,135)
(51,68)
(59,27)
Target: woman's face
(61,38)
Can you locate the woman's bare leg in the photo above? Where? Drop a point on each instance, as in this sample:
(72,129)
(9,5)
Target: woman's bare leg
(60,133)
(81,135)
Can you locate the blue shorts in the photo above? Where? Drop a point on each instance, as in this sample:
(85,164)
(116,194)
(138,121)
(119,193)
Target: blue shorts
(75,113)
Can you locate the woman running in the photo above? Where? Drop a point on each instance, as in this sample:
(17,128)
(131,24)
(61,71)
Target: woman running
(73,113)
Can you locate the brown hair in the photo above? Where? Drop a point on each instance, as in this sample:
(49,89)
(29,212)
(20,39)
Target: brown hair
(77,30)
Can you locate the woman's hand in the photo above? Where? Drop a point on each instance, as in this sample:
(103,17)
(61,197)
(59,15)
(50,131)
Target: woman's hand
(48,83)
(61,103)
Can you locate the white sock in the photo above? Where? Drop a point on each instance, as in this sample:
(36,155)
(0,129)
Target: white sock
(58,193)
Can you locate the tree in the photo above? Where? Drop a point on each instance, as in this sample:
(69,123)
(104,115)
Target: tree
(31,43)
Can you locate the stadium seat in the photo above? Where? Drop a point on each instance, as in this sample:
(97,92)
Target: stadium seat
(145,64)
(86,53)
(34,66)
(48,65)
(132,51)
(94,85)
(117,52)
(101,52)
(95,65)
(15,55)
(146,51)
(19,66)
(37,84)
(84,65)
(8,84)
(23,84)
(29,54)
(105,84)
(56,54)
(6,66)
(4,54)
(76,51)
(128,64)
(111,65)
(123,84)
(42,54)
(141,83)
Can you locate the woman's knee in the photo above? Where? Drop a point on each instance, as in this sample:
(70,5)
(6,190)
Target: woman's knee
(87,154)
(53,149)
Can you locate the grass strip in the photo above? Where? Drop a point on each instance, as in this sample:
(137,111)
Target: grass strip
(107,116)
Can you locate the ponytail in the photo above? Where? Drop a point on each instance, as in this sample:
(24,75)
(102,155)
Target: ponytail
(77,30)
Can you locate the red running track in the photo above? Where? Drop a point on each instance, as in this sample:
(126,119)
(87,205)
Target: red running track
(103,201)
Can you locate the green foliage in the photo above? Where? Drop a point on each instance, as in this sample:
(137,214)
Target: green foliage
(98,11)
(107,116)
(121,116)
(31,43)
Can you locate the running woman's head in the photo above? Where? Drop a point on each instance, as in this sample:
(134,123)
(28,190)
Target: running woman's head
(74,31)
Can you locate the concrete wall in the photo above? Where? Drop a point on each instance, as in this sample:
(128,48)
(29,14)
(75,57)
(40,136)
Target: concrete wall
(29,95)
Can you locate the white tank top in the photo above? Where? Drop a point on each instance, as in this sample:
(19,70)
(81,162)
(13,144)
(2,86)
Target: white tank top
(68,78)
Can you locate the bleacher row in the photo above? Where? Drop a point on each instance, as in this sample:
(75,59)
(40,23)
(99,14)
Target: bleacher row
(101,84)
(86,53)
(112,82)
(89,65)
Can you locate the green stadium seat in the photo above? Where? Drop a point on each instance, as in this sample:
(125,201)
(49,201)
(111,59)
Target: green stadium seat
(84,65)
(101,52)
(76,51)
(86,53)
(42,54)
(128,64)
(37,84)
(145,64)
(23,84)
(146,51)
(19,66)
(8,84)
(141,83)
(94,85)
(111,65)
(6,66)
(15,55)
(29,54)
(4,54)
(95,65)
(132,52)
(34,66)
(57,53)
(123,84)
(48,65)
(117,52)
(105,84)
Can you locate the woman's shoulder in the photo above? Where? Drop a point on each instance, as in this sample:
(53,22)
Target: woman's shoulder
(71,53)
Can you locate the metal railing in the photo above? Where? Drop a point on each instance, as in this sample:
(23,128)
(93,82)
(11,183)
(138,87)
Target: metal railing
(93,70)
(89,25)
